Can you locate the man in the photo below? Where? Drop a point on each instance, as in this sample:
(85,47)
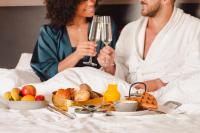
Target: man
(160,47)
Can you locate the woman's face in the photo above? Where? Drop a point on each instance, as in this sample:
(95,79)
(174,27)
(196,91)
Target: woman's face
(86,8)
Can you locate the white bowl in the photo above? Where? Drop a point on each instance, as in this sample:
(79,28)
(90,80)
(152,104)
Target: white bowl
(126,106)
(26,105)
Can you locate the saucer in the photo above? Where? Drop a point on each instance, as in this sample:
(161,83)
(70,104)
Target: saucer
(135,113)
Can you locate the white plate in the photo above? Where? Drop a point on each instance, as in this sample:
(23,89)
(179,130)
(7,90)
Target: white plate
(136,113)
(26,105)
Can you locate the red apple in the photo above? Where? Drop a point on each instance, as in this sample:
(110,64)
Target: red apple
(28,90)
(39,98)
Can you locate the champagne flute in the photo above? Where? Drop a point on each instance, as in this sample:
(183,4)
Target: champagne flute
(106,33)
(94,35)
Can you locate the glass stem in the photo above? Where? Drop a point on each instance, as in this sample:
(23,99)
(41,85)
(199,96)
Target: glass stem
(106,59)
(90,60)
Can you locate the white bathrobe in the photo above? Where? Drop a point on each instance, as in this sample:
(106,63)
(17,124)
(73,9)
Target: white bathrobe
(174,53)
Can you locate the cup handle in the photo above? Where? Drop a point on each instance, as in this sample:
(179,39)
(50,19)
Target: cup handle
(145,87)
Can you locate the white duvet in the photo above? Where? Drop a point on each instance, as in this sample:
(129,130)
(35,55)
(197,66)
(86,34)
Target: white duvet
(10,78)
(43,120)
(184,92)
(180,90)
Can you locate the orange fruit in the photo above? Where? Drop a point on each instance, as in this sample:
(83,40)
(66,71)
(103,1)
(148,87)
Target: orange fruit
(28,98)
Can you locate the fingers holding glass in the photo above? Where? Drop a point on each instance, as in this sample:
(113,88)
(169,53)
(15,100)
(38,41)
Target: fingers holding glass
(94,35)
(106,56)
(86,49)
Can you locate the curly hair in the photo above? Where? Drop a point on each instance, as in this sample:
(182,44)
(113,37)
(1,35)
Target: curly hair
(61,12)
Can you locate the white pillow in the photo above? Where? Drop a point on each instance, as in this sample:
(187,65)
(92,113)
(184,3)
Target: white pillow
(24,62)
(10,78)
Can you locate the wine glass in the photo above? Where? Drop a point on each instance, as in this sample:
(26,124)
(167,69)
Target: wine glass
(94,35)
(106,32)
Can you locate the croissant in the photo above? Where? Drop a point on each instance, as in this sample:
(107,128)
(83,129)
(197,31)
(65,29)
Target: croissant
(65,93)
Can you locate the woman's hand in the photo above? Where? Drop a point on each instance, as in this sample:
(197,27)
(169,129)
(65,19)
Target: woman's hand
(86,49)
(83,49)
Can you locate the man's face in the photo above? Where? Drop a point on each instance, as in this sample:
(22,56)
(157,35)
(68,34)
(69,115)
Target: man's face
(150,7)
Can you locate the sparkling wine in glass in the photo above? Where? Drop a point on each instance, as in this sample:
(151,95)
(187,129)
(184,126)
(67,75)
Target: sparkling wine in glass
(106,32)
(94,35)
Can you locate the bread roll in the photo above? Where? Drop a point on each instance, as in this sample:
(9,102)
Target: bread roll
(85,87)
(82,95)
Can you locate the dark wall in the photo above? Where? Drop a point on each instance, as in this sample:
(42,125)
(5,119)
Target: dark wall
(19,27)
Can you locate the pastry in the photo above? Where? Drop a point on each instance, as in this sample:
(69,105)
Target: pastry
(146,101)
(82,95)
(85,87)
(65,93)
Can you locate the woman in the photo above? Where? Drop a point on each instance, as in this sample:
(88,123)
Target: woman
(64,42)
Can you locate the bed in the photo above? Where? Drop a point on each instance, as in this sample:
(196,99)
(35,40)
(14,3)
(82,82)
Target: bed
(42,120)
(185,120)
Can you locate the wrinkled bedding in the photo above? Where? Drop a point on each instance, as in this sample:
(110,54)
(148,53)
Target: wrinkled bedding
(183,90)
(42,120)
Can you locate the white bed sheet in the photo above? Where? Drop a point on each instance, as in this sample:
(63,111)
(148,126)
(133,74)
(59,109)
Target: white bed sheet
(42,120)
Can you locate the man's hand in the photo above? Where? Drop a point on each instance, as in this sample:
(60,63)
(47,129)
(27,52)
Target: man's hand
(106,59)
(106,56)
(152,85)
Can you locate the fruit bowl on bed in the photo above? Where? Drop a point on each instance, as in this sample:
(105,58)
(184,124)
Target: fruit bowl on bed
(24,99)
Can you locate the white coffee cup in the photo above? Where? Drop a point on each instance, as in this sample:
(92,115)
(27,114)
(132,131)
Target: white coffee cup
(126,106)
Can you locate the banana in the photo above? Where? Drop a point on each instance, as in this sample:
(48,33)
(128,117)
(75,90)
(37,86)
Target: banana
(15,94)
(7,96)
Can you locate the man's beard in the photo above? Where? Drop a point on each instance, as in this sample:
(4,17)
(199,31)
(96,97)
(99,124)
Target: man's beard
(152,12)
